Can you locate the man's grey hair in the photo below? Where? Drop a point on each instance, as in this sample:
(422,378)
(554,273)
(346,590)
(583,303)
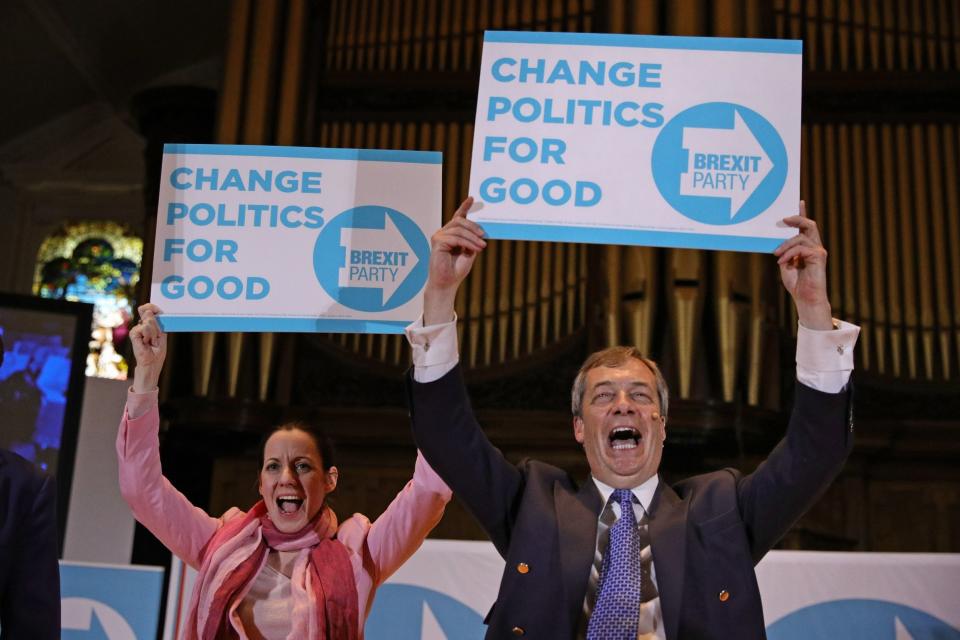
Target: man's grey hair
(616,357)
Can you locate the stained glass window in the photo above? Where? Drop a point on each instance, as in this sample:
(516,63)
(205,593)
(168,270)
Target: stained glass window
(99,263)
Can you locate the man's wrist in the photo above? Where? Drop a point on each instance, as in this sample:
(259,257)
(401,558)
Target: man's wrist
(438,305)
(816,317)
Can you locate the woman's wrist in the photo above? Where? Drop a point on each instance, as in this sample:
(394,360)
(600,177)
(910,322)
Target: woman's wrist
(145,380)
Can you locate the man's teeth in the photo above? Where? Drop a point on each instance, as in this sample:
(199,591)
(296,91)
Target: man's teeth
(624,438)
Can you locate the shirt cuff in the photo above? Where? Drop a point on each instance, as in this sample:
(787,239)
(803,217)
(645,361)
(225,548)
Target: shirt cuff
(434,349)
(139,403)
(825,358)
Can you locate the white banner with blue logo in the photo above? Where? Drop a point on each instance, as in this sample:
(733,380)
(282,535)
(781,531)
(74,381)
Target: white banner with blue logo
(860,596)
(109,602)
(444,591)
(632,139)
(257,238)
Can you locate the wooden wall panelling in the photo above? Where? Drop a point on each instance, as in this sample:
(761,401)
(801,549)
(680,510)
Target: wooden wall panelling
(893,254)
(504,297)
(829,212)
(232,87)
(203,348)
(532,289)
(954,30)
(731,292)
(920,214)
(951,166)
(871,209)
(685,289)
(942,243)
(488,317)
(546,294)
(761,363)
(911,303)
(558,294)
(686,17)
(234,352)
(922,521)
(842,214)
(291,73)
(639,296)
(863,243)
(518,301)
(614,275)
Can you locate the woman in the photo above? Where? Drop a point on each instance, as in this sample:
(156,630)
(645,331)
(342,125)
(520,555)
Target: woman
(284,569)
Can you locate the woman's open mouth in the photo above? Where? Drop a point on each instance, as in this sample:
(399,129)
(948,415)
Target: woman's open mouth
(289,504)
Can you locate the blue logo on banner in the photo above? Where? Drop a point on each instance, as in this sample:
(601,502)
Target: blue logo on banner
(109,603)
(861,620)
(371,258)
(406,612)
(719,163)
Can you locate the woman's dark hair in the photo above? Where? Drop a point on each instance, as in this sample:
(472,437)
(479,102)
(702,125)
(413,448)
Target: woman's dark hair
(321,439)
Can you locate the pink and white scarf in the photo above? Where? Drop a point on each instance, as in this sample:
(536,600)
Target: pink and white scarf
(323,587)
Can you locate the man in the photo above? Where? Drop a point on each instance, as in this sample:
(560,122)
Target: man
(622,555)
(29,573)
(21,401)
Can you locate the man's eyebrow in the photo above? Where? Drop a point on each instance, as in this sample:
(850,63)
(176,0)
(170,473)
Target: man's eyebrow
(632,383)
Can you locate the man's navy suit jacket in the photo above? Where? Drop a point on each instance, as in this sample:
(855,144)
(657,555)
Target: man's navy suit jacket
(29,573)
(707,532)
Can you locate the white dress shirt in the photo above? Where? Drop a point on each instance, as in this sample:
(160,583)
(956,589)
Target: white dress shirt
(824,363)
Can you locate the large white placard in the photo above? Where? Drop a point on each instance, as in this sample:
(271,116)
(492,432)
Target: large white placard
(255,238)
(646,140)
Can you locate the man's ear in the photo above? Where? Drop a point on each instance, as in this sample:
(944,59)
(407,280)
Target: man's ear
(333,474)
(578,429)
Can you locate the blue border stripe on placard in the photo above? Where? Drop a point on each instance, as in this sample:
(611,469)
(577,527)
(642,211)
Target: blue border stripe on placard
(368,155)
(283,325)
(756,45)
(640,237)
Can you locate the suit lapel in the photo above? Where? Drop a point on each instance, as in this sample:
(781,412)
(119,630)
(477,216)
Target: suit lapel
(668,541)
(577,515)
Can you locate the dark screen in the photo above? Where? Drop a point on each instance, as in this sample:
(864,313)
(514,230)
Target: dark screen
(34,380)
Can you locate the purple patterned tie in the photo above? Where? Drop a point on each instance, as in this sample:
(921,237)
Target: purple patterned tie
(616,613)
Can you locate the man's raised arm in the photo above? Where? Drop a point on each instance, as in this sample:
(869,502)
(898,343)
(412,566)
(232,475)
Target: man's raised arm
(444,425)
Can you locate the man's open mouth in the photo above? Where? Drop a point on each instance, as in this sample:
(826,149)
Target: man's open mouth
(289,504)
(625,438)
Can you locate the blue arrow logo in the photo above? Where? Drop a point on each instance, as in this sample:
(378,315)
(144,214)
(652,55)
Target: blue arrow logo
(371,258)
(719,163)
